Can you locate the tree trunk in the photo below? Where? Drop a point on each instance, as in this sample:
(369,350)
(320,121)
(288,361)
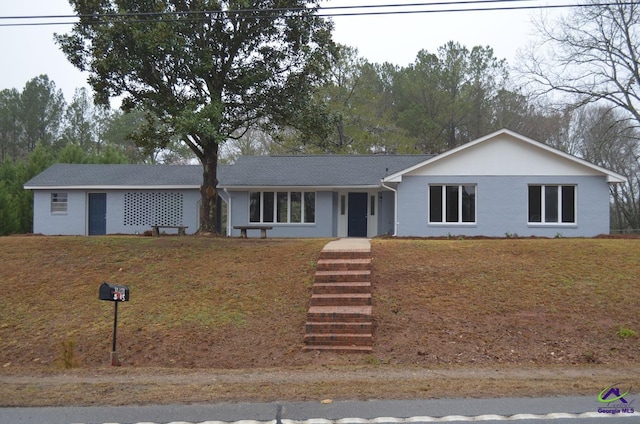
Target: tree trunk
(208,191)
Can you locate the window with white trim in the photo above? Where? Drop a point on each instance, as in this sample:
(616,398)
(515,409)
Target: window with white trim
(454,204)
(552,204)
(282,207)
(58,202)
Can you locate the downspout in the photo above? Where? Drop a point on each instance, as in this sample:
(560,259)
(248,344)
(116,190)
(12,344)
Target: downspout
(395,207)
(228,213)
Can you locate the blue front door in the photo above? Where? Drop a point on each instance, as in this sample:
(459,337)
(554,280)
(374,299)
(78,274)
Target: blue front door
(97,214)
(357,215)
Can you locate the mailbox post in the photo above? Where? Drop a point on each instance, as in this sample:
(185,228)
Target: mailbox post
(115,294)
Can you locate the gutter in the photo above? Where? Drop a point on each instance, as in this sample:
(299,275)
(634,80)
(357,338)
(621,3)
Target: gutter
(228,213)
(110,187)
(301,188)
(395,207)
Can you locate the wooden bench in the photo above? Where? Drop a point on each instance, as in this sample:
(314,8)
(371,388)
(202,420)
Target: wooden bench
(243,230)
(155,229)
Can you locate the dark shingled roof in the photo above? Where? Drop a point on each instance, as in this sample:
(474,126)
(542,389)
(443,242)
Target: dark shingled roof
(319,171)
(248,171)
(92,175)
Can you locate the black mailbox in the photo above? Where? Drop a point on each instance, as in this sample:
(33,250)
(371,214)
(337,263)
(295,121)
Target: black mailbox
(114,293)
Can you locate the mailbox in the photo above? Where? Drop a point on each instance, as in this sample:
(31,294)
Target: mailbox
(114,293)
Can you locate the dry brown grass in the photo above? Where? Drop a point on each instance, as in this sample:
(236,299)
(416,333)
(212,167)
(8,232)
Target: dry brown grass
(194,302)
(223,319)
(521,301)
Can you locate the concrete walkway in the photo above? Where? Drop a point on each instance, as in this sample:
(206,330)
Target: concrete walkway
(351,244)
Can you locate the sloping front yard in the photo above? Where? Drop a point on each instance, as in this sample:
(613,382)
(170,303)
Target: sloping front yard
(231,313)
(518,301)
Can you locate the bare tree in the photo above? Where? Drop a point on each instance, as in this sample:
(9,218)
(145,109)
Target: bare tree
(252,143)
(604,139)
(592,56)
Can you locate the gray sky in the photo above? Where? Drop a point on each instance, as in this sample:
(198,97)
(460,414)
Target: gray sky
(28,51)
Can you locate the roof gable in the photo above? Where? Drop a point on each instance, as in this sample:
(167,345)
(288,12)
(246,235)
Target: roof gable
(505,153)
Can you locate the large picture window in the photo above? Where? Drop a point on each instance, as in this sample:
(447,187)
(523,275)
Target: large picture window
(58,202)
(282,207)
(452,204)
(552,204)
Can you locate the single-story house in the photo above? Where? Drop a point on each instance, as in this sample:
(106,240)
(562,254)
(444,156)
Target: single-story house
(501,184)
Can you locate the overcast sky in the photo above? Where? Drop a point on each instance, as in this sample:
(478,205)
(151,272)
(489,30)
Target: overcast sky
(28,51)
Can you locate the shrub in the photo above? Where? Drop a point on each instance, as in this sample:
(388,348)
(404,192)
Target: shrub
(627,333)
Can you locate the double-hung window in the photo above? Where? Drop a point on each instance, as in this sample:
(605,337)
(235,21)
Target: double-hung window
(282,207)
(454,204)
(552,204)
(58,202)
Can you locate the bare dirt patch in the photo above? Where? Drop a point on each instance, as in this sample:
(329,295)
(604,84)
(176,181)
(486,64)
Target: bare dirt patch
(511,301)
(223,319)
(126,386)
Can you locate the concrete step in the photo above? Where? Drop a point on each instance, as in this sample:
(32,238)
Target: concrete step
(339,314)
(341,288)
(343,264)
(338,327)
(345,254)
(342,276)
(344,339)
(333,299)
(339,349)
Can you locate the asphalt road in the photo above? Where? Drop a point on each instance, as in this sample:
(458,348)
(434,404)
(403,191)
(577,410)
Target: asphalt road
(558,410)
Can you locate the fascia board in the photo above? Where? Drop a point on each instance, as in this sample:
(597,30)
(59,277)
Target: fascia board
(616,179)
(301,188)
(99,187)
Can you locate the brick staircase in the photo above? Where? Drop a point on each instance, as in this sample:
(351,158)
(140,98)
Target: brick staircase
(339,316)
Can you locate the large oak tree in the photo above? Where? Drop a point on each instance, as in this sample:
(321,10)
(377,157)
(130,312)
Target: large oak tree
(206,70)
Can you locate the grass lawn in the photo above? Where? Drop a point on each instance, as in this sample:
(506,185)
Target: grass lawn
(231,308)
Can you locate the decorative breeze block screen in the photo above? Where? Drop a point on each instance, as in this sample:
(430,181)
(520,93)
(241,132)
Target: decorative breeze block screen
(152,209)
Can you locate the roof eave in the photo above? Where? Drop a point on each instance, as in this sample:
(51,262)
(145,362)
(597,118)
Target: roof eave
(395,178)
(301,188)
(111,187)
(614,178)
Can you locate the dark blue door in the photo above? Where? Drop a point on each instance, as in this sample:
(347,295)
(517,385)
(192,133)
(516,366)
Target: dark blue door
(357,215)
(97,214)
